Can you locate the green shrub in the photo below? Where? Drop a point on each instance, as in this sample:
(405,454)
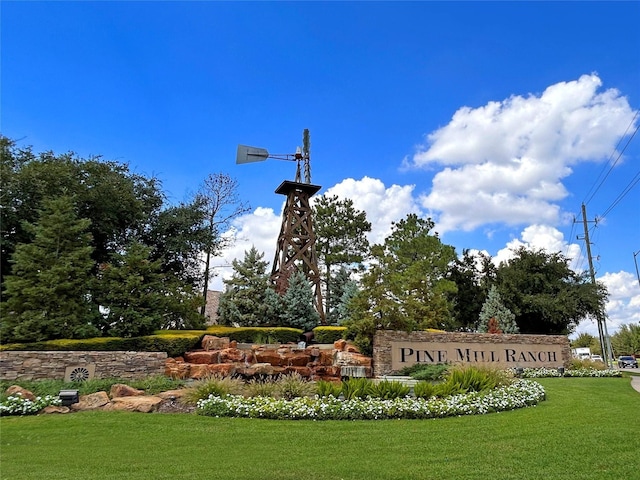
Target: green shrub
(388,390)
(257,334)
(174,344)
(150,385)
(447,389)
(473,378)
(424,389)
(356,388)
(577,364)
(293,385)
(216,385)
(425,371)
(328,334)
(325,389)
(260,387)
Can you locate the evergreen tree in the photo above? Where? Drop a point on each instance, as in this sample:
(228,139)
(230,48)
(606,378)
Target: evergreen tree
(340,241)
(274,305)
(138,297)
(243,302)
(494,309)
(47,294)
(345,308)
(340,280)
(299,311)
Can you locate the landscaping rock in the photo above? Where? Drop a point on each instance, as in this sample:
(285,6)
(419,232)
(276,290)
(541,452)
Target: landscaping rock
(202,357)
(175,368)
(18,390)
(211,342)
(231,355)
(93,401)
(144,404)
(122,390)
(50,409)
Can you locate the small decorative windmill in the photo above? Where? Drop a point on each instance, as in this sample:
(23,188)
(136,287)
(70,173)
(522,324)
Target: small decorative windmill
(296,241)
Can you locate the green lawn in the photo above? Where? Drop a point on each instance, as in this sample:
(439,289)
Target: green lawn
(586,429)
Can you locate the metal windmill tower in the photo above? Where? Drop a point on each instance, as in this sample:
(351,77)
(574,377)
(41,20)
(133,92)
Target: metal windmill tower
(296,242)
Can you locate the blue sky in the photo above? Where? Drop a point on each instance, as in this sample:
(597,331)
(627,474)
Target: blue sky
(496,119)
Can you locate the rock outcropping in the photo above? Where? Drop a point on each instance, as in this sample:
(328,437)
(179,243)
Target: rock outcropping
(225,357)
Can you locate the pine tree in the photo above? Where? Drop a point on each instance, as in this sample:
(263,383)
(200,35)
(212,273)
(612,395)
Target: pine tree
(345,308)
(47,294)
(137,297)
(299,311)
(243,302)
(493,308)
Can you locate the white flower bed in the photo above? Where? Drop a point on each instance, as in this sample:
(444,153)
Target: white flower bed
(578,372)
(17,405)
(522,393)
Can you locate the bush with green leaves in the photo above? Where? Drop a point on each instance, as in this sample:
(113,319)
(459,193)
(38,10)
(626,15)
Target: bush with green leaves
(18,405)
(260,387)
(328,334)
(356,388)
(294,385)
(326,389)
(521,393)
(425,371)
(473,378)
(151,385)
(216,385)
(389,390)
(424,389)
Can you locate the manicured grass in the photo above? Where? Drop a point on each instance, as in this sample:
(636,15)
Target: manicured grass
(585,429)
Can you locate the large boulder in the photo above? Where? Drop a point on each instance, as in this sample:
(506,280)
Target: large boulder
(50,409)
(211,342)
(122,390)
(201,357)
(93,401)
(296,360)
(144,404)
(174,368)
(231,355)
(17,390)
(269,356)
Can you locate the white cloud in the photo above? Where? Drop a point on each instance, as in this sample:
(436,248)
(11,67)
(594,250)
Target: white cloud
(542,237)
(504,162)
(383,205)
(260,229)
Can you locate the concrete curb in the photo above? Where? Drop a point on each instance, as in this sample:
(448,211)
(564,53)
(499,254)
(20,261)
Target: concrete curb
(635,382)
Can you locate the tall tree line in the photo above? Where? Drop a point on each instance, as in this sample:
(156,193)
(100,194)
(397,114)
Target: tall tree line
(90,248)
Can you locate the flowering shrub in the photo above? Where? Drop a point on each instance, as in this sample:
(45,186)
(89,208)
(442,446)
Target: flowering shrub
(519,394)
(592,372)
(17,405)
(578,372)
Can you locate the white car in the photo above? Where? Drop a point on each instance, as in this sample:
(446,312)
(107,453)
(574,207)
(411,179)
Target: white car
(596,358)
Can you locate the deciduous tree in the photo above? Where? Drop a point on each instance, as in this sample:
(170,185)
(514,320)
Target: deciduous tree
(546,296)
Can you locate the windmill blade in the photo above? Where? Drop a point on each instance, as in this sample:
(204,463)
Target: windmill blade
(247,154)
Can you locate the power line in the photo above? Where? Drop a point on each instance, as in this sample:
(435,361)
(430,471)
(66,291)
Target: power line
(634,181)
(601,182)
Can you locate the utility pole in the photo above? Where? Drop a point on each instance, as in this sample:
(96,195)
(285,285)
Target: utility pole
(636,262)
(605,342)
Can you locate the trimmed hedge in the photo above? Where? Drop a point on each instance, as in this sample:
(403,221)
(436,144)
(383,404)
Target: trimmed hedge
(173,344)
(328,334)
(257,334)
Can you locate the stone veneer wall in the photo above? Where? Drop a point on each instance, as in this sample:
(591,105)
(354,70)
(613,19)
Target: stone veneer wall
(36,365)
(383,339)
